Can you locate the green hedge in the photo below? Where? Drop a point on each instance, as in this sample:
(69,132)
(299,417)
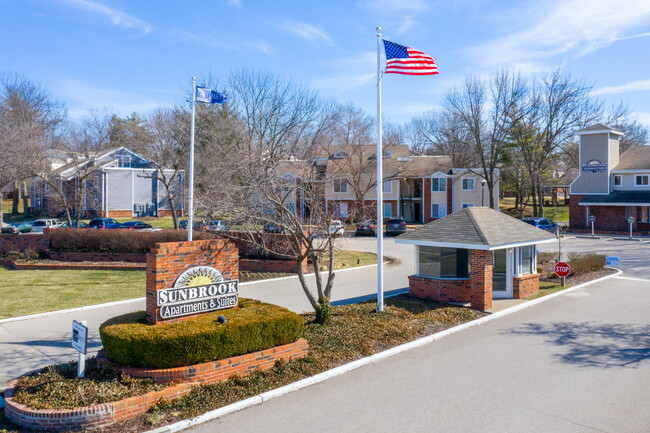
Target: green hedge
(254,326)
(115,241)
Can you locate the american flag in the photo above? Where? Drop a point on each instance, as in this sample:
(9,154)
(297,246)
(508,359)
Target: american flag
(407,61)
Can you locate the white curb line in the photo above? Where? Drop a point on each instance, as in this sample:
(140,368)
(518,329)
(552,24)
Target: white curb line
(337,371)
(126,301)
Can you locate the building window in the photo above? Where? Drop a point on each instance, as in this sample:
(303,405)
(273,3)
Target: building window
(388,186)
(387,210)
(340,185)
(124,160)
(527,260)
(341,210)
(642,180)
(617,180)
(438,262)
(464,205)
(439,184)
(340,154)
(438,210)
(468,184)
(644,211)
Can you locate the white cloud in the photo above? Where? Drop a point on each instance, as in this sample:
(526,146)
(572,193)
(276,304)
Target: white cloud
(82,97)
(634,86)
(360,69)
(567,26)
(305,31)
(236,3)
(644,118)
(210,40)
(117,17)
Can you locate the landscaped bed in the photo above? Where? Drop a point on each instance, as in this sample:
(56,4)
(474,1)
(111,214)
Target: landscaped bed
(354,331)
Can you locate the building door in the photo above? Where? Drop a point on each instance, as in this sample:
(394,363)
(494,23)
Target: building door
(502,268)
(417,212)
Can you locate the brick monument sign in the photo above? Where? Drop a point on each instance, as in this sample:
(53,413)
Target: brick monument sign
(187,279)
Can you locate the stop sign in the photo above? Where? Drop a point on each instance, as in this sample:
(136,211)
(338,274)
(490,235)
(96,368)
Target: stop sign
(562,269)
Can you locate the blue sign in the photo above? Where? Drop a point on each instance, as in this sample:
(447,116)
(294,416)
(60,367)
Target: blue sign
(613,261)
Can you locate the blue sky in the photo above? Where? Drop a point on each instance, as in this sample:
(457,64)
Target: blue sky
(136,55)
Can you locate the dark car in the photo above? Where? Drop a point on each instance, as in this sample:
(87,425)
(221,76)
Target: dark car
(273,228)
(395,226)
(103,223)
(366,228)
(541,223)
(16,228)
(134,225)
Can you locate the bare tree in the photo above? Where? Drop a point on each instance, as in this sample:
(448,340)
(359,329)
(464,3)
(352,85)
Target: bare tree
(29,118)
(484,112)
(444,133)
(167,153)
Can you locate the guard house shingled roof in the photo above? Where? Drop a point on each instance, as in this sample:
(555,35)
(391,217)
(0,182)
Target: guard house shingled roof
(479,228)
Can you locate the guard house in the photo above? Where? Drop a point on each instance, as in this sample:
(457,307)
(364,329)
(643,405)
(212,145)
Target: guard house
(475,255)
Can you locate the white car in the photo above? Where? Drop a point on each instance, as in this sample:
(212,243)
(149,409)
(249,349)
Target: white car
(39,225)
(337,228)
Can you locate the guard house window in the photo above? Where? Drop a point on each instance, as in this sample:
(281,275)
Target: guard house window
(527,260)
(468,184)
(388,186)
(340,185)
(439,184)
(438,262)
(617,180)
(642,180)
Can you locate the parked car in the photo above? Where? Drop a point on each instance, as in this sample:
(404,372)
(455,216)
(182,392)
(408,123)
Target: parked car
(16,228)
(336,228)
(134,225)
(216,226)
(273,228)
(395,226)
(39,225)
(541,223)
(103,223)
(366,228)
(182,225)
(75,224)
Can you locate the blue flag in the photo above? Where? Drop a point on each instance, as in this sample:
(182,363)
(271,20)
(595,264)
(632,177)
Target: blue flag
(209,96)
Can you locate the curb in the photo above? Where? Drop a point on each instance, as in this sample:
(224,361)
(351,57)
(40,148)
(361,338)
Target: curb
(337,371)
(126,301)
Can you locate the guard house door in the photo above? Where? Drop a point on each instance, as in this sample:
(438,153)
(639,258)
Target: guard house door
(503,261)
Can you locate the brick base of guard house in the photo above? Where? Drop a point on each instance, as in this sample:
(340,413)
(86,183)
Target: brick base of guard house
(477,289)
(166,261)
(524,286)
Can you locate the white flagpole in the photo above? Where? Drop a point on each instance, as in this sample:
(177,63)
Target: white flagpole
(190,215)
(380,187)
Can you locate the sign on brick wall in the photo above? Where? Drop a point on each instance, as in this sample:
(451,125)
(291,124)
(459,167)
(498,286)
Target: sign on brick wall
(200,289)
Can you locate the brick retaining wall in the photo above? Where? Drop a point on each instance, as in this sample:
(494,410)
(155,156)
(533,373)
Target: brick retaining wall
(74,266)
(219,371)
(101,415)
(73,256)
(524,286)
(24,242)
(261,265)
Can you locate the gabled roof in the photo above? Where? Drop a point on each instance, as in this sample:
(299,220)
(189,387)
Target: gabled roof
(479,228)
(634,158)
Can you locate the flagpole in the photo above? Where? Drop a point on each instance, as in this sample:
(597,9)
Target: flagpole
(380,187)
(190,216)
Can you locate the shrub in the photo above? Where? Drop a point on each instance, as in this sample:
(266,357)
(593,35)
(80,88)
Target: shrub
(545,257)
(582,263)
(115,241)
(254,326)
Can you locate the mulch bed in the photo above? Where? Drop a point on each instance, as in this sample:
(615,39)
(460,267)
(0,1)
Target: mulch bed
(354,331)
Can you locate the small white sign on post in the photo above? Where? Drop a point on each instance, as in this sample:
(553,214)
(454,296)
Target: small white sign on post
(80,343)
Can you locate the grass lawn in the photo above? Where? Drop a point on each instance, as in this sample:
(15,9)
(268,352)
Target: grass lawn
(557,214)
(62,289)
(31,292)
(546,288)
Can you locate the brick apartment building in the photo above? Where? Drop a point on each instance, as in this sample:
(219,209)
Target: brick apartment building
(611,187)
(419,189)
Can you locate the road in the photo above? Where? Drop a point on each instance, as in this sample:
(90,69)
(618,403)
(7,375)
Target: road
(30,344)
(576,363)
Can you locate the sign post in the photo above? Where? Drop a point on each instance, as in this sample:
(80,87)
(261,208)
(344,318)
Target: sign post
(563,270)
(80,342)
(630,222)
(592,218)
